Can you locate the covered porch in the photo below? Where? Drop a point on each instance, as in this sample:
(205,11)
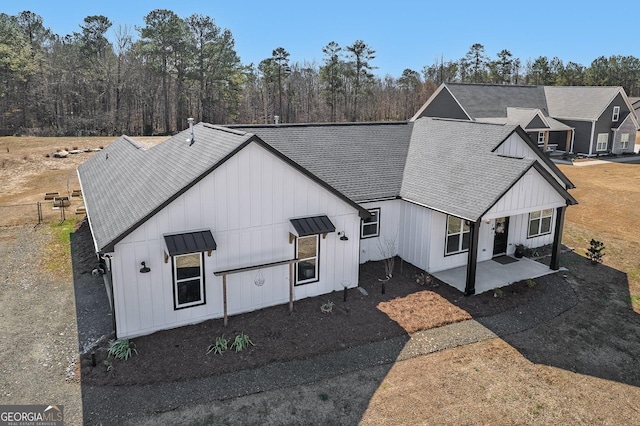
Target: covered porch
(491,274)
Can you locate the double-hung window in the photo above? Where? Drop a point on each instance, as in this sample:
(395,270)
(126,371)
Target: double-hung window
(458,233)
(540,138)
(616,114)
(307,253)
(540,223)
(624,141)
(370,227)
(603,140)
(188,280)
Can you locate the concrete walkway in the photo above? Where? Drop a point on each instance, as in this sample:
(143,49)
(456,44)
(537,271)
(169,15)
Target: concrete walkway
(594,162)
(491,274)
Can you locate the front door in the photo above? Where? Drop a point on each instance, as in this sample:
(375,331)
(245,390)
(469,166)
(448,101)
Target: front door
(501,232)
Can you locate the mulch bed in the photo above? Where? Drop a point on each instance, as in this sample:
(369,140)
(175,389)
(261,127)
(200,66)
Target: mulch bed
(412,301)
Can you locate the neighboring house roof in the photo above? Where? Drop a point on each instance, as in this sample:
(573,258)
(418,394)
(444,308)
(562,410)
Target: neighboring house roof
(473,178)
(525,118)
(492,100)
(579,102)
(364,161)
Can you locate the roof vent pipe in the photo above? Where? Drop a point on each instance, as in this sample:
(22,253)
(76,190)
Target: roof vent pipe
(192,138)
(276,119)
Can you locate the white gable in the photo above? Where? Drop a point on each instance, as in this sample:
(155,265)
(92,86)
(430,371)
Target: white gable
(531,192)
(514,146)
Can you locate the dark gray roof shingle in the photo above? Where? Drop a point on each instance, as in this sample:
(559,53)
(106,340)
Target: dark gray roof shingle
(363,161)
(492,100)
(450,166)
(125,182)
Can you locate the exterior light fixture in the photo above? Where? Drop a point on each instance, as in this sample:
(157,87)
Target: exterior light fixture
(144,268)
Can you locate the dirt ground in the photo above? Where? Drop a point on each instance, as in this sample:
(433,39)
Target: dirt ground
(579,368)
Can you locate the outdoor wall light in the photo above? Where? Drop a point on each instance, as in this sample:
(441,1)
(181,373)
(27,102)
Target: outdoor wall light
(343,237)
(144,268)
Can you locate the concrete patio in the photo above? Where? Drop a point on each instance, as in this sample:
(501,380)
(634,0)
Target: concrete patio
(491,274)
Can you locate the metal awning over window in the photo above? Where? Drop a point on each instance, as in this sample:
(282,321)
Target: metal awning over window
(312,226)
(190,242)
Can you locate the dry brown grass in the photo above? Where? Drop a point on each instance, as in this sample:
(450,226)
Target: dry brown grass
(609,211)
(491,383)
(422,311)
(27,173)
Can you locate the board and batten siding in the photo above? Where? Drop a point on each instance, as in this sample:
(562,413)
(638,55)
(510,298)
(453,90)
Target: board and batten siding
(389,228)
(415,236)
(514,146)
(247,203)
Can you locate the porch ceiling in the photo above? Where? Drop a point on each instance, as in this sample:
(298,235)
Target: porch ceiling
(491,274)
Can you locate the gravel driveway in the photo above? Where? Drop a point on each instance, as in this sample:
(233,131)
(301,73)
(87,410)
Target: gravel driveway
(39,336)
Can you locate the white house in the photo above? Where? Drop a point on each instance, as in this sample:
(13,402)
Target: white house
(223,220)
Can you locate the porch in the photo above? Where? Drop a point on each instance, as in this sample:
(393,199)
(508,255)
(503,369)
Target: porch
(491,274)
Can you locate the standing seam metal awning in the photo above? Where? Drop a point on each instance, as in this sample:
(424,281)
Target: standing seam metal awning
(312,225)
(190,242)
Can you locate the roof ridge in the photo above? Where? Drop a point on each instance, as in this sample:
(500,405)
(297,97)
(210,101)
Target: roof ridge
(224,129)
(332,124)
(135,143)
(459,120)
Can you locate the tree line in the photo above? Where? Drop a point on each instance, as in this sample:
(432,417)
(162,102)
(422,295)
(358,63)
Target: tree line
(150,79)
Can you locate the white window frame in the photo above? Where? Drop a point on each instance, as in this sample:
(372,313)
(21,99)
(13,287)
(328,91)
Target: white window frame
(177,281)
(603,142)
(539,216)
(369,223)
(540,138)
(624,140)
(316,274)
(616,114)
(460,232)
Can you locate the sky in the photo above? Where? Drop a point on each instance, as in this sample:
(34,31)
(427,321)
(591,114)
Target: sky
(404,34)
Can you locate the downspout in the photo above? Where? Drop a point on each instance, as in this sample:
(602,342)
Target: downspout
(108,282)
(573,138)
(593,129)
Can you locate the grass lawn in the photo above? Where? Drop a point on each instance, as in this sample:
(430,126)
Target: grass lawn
(609,211)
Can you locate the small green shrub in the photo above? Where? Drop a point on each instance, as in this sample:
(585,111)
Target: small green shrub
(531,283)
(498,293)
(241,342)
(108,365)
(327,308)
(121,349)
(595,252)
(219,347)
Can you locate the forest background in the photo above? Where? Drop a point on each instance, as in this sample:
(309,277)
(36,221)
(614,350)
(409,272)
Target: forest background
(150,79)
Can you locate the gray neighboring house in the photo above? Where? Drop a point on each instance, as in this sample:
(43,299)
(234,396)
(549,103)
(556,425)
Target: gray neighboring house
(573,119)
(216,220)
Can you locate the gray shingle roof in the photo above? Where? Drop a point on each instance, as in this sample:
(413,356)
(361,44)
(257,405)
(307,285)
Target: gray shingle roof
(461,177)
(125,182)
(579,101)
(364,161)
(492,100)
(447,165)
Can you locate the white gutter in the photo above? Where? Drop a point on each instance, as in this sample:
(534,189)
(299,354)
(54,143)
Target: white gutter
(593,129)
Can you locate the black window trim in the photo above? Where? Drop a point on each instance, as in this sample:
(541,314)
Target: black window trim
(362,225)
(295,254)
(461,233)
(175,284)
